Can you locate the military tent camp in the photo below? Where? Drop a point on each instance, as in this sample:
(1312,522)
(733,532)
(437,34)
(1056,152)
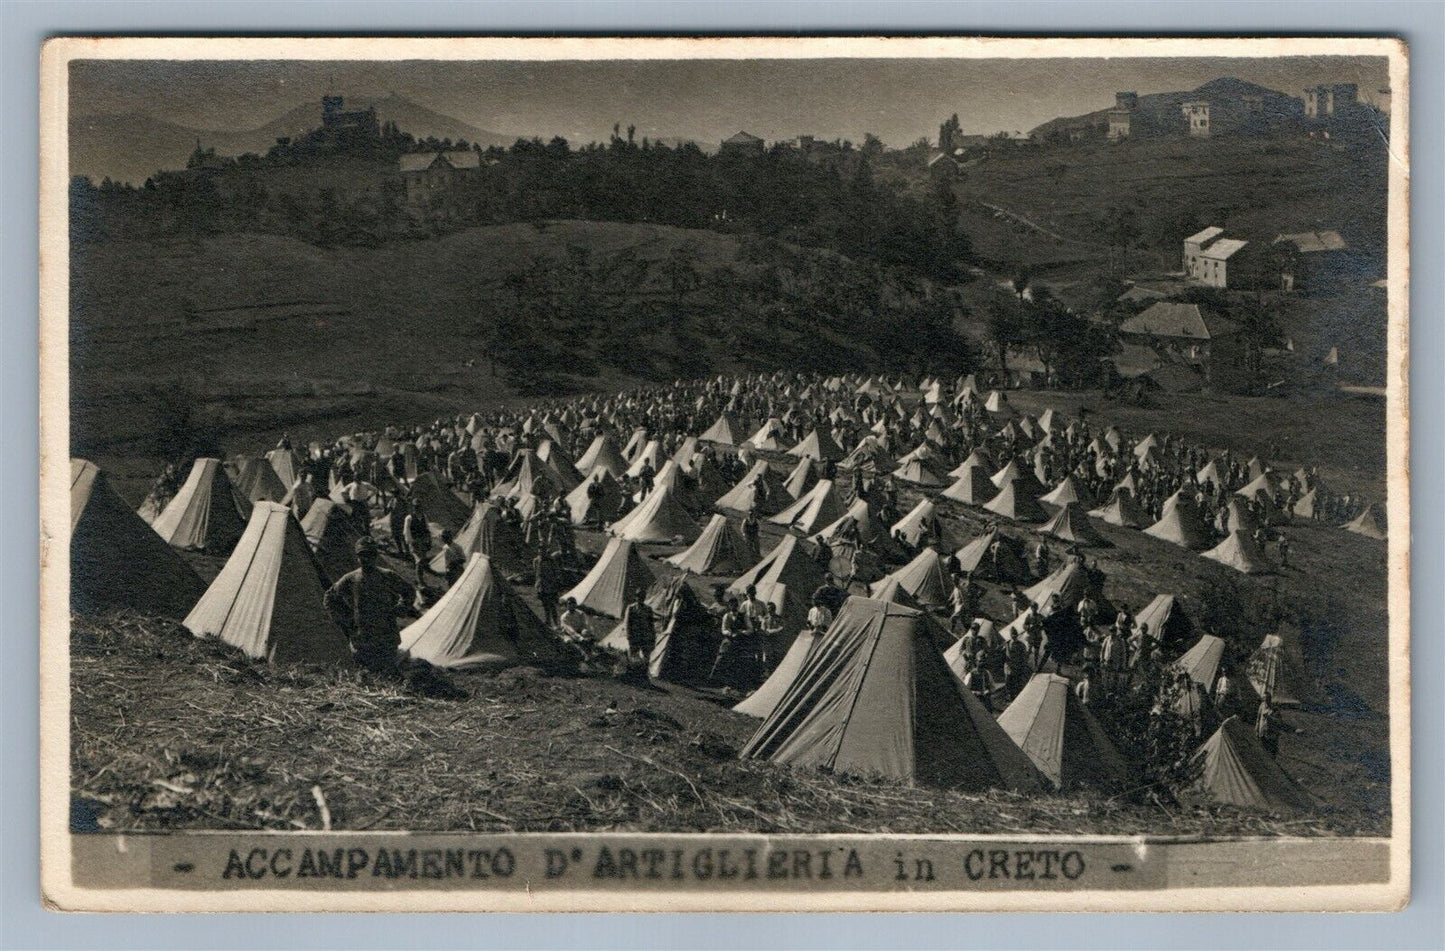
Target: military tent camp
(1017,501)
(527,475)
(1239,552)
(870,456)
(609,586)
(860,526)
(207,514)
(817,507)
(1071,525)
(1234,768)
(1062,738)
(1121,510)
(874,697)
(724,432)
(1370,523)
(660,518)
(761,489)
(819,446)
(719,550)
(479,623)
(994,556)
(332,534)
(923,578)
(116,560)
(268,598)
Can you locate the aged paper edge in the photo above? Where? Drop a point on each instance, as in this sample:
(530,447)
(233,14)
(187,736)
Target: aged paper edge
(59,890)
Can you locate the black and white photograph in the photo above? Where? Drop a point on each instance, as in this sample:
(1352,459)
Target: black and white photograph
(668,474)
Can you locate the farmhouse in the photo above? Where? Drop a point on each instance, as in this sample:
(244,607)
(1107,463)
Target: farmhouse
(429,175)
(1192,335)
(1310,258)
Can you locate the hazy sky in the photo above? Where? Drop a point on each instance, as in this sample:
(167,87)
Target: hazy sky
(708,100)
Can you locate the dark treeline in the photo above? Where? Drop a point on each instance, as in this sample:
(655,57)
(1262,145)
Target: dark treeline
(827,197)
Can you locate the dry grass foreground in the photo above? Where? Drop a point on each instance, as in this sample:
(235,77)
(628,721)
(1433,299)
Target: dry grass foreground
(170,732)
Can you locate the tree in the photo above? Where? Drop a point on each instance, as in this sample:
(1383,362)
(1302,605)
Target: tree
(1121,231)
(948,134)
(1005,328)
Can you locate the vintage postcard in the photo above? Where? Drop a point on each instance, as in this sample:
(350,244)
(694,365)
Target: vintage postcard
(725,474)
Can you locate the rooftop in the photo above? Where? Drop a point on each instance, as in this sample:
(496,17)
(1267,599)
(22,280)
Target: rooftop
(1208,234)
(1223,248)
(1313,241)
(1180,321)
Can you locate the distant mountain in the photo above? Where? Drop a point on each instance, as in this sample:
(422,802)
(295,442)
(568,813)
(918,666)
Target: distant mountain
(132,148)
(1225,90)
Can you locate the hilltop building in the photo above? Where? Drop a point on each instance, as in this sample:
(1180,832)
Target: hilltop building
(743,143)
(1324,101)
(1121,117)
(1196,113)
(341,126)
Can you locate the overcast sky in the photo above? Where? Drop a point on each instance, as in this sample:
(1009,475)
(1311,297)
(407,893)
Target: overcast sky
(707,100)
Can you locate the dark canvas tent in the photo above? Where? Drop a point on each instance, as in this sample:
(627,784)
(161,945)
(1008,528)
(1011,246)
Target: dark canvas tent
(116,560)
(479,622)
(787,576)
(719,550)
(333,535)
(1061,736)
(267,600)
(1278,667)
(1235,768)
(207,513)
(977,558)
(1166,620)
(610,584)
(875,698)
(687,640)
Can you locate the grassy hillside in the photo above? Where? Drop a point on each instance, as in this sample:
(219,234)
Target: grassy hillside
(1174,187)
(257,332)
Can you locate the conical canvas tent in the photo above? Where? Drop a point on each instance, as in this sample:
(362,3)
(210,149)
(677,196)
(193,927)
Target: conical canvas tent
(206,514)
(972,488)
(918,472)
(332,535)
(789,567)
(803,477)
(491,535)
(117,560)
(1181,525)
(920,525)
(1239,552)
(769,436)
(978,459)
(268,599)
(953,655)
(256,481)
(528,475)
(286,464)
(817,445)
(1070,524)
(719,550)
(1201,662)
(1240,519)
(479,622)
(554,457)
(874,697)
(651,455)
(585,509)
(1069,490)
(611,583)
(1370,522)
(724,432)
(442,508)
(1278,668)
(1165,619)
(635,444)
(1121,510)
(860,523)
(923,578)
(761,489)
(1017,502)
(869,456)
(603,454)
(978,557)
(1061,590)
(660,518)
(818,507)
(890,590)
(1234,768)
(687,639)
(1061,736)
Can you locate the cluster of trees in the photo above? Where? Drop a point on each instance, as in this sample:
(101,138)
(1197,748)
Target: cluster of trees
(826,198)
(679,315)
(1070,346)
